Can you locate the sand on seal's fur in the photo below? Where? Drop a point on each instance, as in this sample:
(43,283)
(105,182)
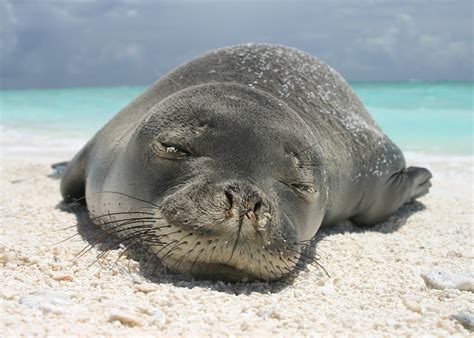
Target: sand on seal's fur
(375,286)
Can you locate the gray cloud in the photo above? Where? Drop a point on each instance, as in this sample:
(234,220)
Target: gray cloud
(51,43)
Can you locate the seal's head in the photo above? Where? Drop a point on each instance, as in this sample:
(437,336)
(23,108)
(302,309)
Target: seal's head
(236,188)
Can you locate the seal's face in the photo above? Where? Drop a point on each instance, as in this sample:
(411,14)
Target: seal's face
(236,188)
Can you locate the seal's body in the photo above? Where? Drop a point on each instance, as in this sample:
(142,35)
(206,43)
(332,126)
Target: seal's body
(225,167)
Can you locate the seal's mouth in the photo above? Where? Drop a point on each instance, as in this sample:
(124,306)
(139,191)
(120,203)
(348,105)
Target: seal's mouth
(228,258)
(233,251)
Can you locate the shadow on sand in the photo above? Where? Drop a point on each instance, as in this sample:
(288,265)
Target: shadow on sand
(151,268)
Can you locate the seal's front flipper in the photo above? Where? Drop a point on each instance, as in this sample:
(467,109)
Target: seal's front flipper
(400,188)
(73,178)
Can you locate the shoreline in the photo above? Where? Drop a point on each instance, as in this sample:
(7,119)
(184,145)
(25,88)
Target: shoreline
(376,284)
(48,147)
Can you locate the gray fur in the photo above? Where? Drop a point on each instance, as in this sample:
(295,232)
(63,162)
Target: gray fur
(262,127)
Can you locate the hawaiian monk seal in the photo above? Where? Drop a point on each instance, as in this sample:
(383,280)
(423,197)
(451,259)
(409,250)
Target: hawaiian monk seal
(229,164)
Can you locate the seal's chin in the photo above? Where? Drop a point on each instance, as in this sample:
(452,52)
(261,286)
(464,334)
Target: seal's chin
(223,272)
(236,258)
(228,273)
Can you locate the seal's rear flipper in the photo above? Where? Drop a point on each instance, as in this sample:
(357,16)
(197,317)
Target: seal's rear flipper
(421,178)
(73,178)
(400,188)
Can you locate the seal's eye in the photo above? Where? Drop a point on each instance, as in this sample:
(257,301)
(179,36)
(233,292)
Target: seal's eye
(304,188)
(168,151)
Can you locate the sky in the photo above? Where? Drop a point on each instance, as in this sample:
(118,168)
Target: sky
(54,43)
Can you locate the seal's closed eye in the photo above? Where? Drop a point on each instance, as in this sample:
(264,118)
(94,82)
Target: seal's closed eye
(168,151)
(307,191)
(305,188)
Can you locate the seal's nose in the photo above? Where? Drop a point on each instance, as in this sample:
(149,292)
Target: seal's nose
(250,204)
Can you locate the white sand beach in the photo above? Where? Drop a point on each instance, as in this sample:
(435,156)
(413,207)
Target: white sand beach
(412,275)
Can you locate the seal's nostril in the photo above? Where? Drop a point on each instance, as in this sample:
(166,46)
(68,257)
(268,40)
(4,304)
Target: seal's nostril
(257,207)
(230,198)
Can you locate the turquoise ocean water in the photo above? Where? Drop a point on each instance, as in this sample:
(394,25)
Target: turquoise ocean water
(433,118)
